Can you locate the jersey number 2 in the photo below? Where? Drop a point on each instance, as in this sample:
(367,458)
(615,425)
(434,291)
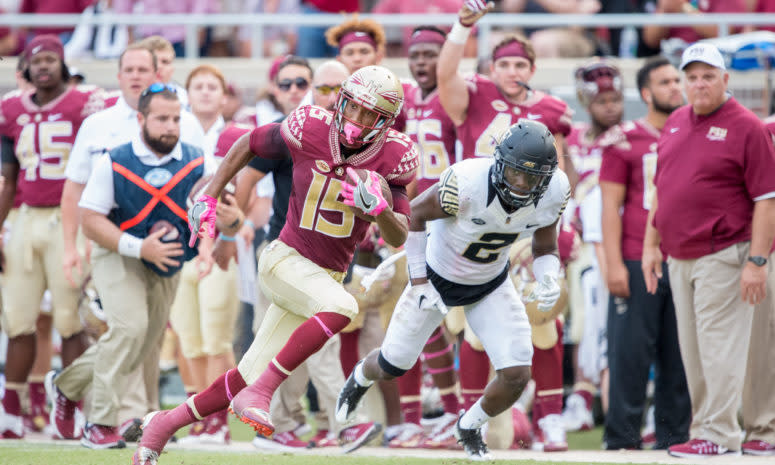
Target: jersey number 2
(489,246)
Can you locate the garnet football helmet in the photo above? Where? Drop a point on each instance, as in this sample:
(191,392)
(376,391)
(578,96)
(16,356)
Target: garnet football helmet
(525,155)
(377,90)
(596,77)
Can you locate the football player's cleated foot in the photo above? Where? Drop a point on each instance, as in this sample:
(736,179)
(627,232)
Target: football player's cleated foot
(552,433)
(156,433)
(62,415)
(130,430)
(11,426)
(349,397)
(255,417)
(102,437)
(195,433)
(410,437)
(577,416)
(472,442)
(287,441)
(358,435)
(217,431)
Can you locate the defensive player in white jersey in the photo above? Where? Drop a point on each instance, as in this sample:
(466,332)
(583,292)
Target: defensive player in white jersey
(475,212)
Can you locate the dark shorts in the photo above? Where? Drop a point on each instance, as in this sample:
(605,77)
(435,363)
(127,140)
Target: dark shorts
(454,294)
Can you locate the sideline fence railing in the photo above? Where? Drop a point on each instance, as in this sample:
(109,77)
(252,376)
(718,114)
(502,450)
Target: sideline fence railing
(192,22)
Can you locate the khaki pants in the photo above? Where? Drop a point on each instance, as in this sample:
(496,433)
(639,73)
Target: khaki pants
(759,388)
(33,263)
(137,303)
(298,289)
(714,329)
(205,310)
(325,371)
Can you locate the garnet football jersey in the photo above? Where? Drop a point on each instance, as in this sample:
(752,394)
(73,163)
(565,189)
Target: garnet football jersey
(428,125)
(630,159)
(43,137)
(490,114)
(586,155)
(319,225)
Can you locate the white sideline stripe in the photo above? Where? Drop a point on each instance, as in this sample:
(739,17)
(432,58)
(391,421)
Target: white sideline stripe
(581,456)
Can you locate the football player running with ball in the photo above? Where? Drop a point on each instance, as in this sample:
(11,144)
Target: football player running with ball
(302,271)
(475,213)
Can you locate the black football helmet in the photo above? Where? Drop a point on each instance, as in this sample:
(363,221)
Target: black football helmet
(525,160)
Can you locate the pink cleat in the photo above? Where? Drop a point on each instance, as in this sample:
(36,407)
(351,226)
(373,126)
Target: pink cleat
(255,417)
(156,432)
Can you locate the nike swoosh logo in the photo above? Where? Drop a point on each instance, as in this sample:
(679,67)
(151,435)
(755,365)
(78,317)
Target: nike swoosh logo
(528,226)
(422,298)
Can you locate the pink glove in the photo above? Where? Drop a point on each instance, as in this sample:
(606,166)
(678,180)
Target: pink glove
(201,215)
(365,195)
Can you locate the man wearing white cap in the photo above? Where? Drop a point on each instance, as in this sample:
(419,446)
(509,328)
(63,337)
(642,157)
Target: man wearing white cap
(714,217)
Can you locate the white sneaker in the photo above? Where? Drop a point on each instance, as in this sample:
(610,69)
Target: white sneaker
(551,434)
(576,416)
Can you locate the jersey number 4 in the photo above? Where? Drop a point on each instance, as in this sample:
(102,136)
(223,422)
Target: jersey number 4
(31,159)
(489,246)
(322,196)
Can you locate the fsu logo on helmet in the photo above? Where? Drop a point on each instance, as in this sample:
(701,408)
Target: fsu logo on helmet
(377,90)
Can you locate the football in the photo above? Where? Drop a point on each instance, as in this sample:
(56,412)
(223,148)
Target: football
(386,193)
(172,233)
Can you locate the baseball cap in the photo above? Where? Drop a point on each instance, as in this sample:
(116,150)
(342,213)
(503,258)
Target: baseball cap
(44,43)
(704,52)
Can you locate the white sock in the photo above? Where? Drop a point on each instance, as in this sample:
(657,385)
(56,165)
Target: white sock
(360,378)
(475,417)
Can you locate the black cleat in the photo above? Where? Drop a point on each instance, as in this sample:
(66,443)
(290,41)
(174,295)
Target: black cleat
(472,442)
(349,397)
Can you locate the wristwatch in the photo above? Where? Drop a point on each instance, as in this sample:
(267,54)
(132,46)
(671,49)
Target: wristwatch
(758,260)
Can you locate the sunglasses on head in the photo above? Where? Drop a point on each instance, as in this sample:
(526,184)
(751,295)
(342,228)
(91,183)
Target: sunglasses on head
(300,82)
(157,87)
(326,89)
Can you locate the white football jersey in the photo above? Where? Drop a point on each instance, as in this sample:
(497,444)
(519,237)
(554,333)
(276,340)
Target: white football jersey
(471,246)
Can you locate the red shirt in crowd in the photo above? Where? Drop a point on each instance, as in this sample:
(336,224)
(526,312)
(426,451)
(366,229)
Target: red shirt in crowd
(319,225)
(689,35)
(630,159)
(54,6)
(710,171)
(335,6)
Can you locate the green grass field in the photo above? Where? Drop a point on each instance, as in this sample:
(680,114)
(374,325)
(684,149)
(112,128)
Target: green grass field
(58,455)
(19,453)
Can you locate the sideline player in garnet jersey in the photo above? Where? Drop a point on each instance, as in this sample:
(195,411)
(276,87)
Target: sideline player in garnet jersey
(38,128)
(483,108)
(474,214)
(424,120)
(599,90)
(302,271)
(641,326)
